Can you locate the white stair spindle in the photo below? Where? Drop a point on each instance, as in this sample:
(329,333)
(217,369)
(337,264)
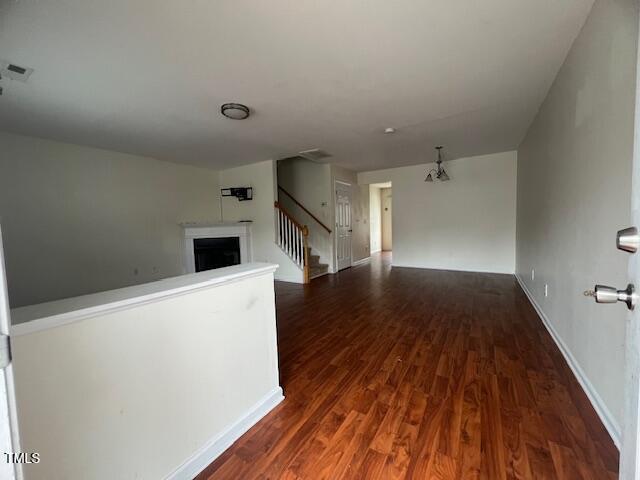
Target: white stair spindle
(300,249)
(290,238)
(285,221)
(283,224)
(279,226)
(285,242)
(293,239)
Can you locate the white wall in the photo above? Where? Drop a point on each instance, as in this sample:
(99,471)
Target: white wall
(78,220)
(150,390)
(467,223)
(309,183)
(574,183)
(312,184)
(375,219)
(261,177)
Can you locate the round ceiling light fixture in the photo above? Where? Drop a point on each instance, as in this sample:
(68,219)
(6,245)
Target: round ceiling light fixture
(235,111)
(389,130)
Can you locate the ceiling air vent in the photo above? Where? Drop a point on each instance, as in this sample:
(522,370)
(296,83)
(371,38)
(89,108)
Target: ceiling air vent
(15,72)
(315,155)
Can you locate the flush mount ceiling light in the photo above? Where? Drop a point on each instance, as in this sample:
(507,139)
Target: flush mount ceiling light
(389,130)
(235,111)
(439,172)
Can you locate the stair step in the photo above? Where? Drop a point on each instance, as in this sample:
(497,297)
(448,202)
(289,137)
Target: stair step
(318,270)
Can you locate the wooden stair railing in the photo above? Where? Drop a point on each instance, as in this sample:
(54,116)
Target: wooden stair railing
(292,238)
(318,221)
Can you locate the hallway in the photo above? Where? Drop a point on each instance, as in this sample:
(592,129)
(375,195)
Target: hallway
(410,373)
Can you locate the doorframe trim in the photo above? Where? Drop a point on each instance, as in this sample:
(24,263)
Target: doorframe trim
(5,328)
(608,420)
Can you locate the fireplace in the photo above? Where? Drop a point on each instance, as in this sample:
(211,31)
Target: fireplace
(216,245)
(210,253)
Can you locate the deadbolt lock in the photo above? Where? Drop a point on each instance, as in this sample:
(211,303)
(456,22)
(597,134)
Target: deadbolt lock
(628,239)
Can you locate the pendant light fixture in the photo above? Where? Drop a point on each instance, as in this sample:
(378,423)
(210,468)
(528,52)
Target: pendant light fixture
(438,173)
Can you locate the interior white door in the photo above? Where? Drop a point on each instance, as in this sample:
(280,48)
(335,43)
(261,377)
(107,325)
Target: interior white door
(630,448)
(629,451)
(387,242)
(8,420)
(343,225)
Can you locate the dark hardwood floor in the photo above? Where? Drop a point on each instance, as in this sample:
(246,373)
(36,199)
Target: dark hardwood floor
(416,374)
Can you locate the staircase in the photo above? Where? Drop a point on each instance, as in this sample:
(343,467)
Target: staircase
(292,238)
(316,269)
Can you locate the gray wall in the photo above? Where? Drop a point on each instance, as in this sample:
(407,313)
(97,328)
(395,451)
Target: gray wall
(574,185)
(78,220)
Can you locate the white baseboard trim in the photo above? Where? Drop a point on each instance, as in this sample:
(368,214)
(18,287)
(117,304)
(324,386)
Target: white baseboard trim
(218,444)
(295,278)
(289,280)
(361,261)
(601,409)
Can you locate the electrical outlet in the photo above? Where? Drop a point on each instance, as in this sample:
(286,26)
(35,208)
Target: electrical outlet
(533,274)
(546,290)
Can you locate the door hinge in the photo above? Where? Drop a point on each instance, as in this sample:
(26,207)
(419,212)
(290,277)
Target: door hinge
(5,351)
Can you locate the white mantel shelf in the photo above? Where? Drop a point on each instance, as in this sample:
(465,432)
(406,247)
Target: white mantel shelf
(33,318)
(214,225)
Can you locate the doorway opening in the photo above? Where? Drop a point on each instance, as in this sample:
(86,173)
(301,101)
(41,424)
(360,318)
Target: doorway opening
(380,217)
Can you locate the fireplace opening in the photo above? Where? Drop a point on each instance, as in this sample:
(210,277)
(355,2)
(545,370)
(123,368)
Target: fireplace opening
(210,253)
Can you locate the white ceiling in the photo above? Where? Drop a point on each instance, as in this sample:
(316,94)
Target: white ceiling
(148,76)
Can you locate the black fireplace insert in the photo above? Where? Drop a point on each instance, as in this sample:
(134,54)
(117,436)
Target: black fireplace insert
(213,253)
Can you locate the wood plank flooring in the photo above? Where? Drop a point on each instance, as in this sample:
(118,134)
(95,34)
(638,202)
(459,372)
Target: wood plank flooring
(419,374)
